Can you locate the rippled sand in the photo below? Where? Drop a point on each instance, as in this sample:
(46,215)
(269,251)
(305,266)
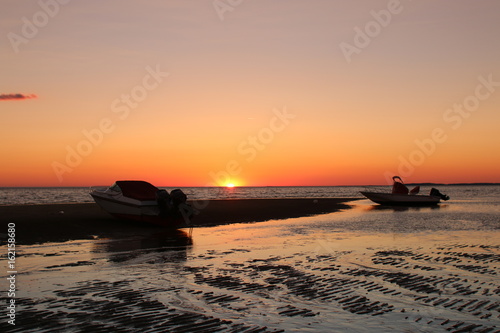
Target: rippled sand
(331,272)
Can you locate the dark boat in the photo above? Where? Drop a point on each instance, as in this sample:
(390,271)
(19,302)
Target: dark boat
(401,195)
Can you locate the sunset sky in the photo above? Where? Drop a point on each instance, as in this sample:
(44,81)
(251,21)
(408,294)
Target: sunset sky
(253,92)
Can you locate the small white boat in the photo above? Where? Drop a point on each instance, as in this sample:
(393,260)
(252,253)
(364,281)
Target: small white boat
(402,196)
(142,201)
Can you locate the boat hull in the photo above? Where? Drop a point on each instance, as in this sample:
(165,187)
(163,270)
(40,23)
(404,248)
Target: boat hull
(142,211)
(401,199)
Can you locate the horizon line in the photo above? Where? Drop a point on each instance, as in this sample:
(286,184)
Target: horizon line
(222,186)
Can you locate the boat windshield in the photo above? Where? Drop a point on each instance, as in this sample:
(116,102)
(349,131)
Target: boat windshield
(115,188)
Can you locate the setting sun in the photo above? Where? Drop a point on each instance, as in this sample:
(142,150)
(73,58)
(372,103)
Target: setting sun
(230,185)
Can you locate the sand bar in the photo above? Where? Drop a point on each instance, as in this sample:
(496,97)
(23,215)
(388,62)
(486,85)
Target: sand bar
(62,222)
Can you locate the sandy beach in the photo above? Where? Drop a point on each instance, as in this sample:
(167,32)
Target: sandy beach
(62,222)
(357,269)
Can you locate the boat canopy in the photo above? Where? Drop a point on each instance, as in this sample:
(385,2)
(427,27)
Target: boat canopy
(399,187)
(137,189)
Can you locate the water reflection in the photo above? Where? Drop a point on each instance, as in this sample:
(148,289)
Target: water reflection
(368,217)
(172,244)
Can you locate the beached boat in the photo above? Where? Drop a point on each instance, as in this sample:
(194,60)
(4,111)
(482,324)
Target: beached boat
(401,195)
(401,199)
(142,201)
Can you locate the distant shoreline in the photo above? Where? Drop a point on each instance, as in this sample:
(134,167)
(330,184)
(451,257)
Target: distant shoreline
(279,186)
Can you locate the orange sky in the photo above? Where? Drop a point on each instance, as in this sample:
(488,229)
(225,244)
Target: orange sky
(260,93)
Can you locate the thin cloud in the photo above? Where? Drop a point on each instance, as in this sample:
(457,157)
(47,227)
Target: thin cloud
(14,97)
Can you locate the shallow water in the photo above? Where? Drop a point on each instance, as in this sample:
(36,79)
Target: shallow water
(367,269)
(47,195)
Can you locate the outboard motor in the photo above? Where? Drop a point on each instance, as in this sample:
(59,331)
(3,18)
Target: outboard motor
(164,202)
(178,197)
(435,193)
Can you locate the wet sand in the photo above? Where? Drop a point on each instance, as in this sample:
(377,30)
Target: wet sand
(62,222)
(322,273)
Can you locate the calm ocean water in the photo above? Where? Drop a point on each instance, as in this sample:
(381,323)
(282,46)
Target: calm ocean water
(47,195)
(486,194)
